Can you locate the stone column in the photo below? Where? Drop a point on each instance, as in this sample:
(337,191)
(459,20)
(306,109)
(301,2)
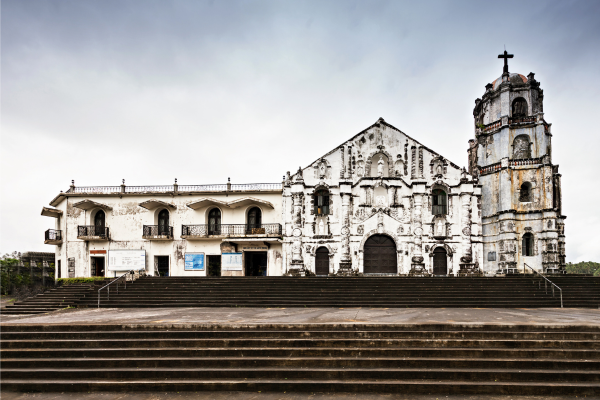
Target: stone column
(346,259)
(417,265)
(467,267)
(297,263)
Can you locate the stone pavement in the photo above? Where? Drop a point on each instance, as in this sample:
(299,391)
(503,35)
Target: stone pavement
(233,316)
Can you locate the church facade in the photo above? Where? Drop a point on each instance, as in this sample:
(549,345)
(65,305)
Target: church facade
(381,203)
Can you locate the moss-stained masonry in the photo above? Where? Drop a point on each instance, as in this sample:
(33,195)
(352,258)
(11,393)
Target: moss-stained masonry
(512,154)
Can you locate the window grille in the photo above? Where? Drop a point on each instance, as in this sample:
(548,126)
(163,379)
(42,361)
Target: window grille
(439,202)
(321,202)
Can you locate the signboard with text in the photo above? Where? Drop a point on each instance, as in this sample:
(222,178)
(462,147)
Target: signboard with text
(194,261)
(231,262)
(125,260)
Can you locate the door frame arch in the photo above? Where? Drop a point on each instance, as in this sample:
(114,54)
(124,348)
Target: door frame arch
(378,233)
(449,257)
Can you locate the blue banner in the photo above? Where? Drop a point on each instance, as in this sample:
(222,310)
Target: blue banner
(194,261)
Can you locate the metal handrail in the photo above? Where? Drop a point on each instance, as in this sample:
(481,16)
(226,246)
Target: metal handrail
(107,286)
(546,284)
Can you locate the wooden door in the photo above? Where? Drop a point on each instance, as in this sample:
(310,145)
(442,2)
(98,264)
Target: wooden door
(440,261)
(322,261)
(380,255)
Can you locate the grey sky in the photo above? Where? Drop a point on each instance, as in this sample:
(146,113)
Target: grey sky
(149,91)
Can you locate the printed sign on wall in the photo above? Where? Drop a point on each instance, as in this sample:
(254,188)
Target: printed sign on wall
(125,260)
(231,262)
(194,261)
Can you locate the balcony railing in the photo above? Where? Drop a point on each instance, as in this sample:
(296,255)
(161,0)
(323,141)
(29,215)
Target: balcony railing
(157,230)
(92,231)
(231,230)
(529,161)
(53,235)
(490,168)
(522,120)
(491,126)
(250,187)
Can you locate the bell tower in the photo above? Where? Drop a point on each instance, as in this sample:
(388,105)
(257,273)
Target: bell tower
(511,154)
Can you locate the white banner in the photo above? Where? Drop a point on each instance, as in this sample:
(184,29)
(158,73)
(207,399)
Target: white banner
(125,260)
(231,262)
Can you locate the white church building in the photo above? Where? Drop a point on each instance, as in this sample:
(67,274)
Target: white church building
(381,203)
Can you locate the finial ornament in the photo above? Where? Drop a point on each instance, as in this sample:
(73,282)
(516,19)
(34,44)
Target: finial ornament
(176,181)
(506,56)
(123,182)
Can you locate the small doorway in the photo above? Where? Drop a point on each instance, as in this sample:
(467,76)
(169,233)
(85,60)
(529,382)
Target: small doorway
(163,222)
(162,265)
(322,261)
(440,261)
(255,263)
(99,223)
(214,265)
(97,266)
(254,225)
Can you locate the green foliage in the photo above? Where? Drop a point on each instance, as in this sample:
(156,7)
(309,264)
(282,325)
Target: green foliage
(584,267)
(71,281)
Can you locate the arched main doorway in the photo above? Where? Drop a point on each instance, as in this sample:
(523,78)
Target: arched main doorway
(440,261)
(380,255)
(322,261)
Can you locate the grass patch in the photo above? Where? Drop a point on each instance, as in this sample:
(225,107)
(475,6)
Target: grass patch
(72,281)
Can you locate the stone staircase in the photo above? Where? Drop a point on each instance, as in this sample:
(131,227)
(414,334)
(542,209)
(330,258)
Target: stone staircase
(497,292)
(51,300)
(444,359)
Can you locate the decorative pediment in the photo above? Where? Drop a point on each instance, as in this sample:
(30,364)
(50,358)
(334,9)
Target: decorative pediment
(89,205)
(153,204)
(51,212)
(205,202)
(247,201)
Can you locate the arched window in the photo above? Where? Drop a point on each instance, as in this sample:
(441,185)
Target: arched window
(99,223)
(321,202)
(254,221)
(214,222)
(163,222)
(521,148)
(525,194)
(528,244)
(519,107)
(439,203)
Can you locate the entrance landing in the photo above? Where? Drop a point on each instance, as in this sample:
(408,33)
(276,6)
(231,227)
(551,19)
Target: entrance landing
(251,315)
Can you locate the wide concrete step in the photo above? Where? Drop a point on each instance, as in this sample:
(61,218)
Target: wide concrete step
(300,343)
(317,362)
(301,385)
(184,352)
(293,334)
(312,373)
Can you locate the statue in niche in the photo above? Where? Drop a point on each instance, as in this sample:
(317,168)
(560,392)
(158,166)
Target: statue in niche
(439,169)
(360,171)
(380,164)
(322,228)
(322,169)
(398,166)
(440,228)
(380,201)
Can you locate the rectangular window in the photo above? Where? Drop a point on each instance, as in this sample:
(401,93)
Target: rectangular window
(492,256)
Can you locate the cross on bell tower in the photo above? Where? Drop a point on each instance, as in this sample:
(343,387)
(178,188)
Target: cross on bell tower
(506,56)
